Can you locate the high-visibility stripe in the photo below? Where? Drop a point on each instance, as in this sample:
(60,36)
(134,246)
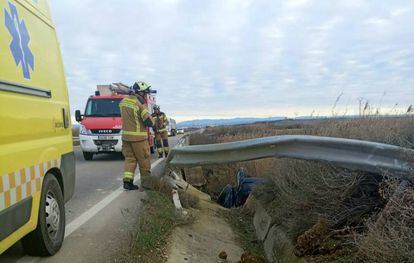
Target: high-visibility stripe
(128,100)
(18,185)
(128,175)
(12,181)
(132,107)
(138,131)
(134,133)
(7,199)
(145,111)
(128,103)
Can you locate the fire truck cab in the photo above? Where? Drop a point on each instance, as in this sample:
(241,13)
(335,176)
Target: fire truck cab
(101,124)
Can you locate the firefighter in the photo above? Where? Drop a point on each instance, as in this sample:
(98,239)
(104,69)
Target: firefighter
(161,133)
(135,148)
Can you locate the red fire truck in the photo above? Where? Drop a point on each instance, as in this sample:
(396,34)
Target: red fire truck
(101,123)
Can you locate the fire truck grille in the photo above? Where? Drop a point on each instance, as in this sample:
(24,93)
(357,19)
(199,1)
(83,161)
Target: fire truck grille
(109,131)
(105,143)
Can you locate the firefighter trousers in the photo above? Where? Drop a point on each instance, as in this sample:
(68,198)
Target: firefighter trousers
(161,141)
(136,153)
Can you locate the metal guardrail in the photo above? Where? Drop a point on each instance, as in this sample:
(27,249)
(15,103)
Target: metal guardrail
(346,153)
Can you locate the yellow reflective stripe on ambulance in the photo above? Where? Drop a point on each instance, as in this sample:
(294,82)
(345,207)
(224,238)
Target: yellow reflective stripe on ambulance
(18,185)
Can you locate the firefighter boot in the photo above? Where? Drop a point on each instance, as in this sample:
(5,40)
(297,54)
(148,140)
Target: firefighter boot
(159,146)
(128,185)
(165,144)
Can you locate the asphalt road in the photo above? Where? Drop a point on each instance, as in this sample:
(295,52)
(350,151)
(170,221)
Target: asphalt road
(99,217)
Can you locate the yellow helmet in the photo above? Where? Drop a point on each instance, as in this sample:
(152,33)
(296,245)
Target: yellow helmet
(141,86)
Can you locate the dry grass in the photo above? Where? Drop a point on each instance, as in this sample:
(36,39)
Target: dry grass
(390,235)
(361,227)
(158,218)
(301,193)
(397,130)
(242,223)
(149,240)
(159,185)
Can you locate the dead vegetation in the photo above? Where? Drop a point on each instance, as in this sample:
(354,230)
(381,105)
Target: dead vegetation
(159,217)
(332,214)
(242,222)
(162,186)
(390,235)
(150,236)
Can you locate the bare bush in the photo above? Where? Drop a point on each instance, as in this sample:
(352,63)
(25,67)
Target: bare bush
(301,193)
(390,235)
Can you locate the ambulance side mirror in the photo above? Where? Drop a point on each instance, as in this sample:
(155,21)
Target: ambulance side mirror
(78,116)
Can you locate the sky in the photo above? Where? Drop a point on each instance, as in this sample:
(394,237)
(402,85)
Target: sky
(243,58)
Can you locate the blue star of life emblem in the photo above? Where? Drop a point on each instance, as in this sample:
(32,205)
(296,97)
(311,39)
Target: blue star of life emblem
(19,45)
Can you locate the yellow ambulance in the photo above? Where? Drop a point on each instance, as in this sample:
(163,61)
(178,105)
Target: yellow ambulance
(37,164)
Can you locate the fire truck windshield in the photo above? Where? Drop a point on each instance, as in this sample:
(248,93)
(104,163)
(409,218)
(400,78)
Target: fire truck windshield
(103,108)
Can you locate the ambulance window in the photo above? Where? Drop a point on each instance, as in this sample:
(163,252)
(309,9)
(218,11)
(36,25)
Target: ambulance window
(103,108)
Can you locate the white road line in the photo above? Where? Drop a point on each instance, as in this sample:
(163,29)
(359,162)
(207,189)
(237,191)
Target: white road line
(91,212)
(83,218)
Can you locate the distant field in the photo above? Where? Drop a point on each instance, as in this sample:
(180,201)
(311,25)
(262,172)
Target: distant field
(329,214)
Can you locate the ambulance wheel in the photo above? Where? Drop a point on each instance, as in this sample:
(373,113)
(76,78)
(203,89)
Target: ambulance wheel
(87,156)
(152,150)
(48,236)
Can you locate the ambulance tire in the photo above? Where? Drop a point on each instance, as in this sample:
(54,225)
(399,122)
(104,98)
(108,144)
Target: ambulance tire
(48,236)
(87,156)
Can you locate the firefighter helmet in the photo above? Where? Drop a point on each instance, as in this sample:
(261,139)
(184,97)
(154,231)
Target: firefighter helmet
(141,86)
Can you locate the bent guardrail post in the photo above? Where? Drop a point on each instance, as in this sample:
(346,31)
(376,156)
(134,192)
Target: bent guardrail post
(346,153)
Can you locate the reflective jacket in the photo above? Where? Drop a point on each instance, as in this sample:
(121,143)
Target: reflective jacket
(135,119)
(160,122)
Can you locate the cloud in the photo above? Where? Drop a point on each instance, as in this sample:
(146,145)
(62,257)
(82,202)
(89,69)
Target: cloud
(240,58)
(296,3)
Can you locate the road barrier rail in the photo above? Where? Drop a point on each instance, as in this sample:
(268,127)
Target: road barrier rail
(351,154)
